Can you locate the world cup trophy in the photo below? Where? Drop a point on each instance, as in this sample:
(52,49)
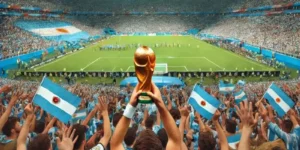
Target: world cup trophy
(144,62)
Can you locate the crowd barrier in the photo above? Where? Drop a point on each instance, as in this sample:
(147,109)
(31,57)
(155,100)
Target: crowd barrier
(170,74)
(289,61)
(160,81)
(14,10)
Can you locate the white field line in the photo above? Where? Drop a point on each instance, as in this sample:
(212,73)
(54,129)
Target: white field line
(113,69)
(250,61)
(213,63)
(129,68)
(37,68)
(186,68)
(91,63)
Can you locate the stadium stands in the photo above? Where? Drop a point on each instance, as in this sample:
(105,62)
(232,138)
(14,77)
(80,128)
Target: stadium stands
(53,30)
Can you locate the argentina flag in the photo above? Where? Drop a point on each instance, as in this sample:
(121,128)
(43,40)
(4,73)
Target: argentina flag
(278,100)
(79,115)
(234,140)
(226,87)
(240,96)
(56,100)
(205,104)
(241,83)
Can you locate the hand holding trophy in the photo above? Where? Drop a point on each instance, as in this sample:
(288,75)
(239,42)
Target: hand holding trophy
(144,62)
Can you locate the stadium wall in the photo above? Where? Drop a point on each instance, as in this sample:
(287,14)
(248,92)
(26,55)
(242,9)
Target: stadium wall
(289,61)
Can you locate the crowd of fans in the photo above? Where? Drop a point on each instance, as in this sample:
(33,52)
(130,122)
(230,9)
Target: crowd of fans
(168,123)
(121,6)
(15,41)
(278,33)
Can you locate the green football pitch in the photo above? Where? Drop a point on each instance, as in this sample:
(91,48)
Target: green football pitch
(188,54)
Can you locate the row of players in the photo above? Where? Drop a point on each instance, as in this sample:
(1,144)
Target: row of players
(131,46)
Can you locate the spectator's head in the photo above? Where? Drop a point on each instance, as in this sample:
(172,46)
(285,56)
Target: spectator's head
(287,126)
(147,140)
(42,141)
(39,126)
(80,132)
(273,145)
(12,127)
(175,114)
(150,122)
(230,126)
(206,141)
(116,118)
(130,137)
(163,137)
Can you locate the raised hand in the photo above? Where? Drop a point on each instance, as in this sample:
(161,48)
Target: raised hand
(6,88)
(246,114)
(184,112)
(155,94)
(103,105)
(28,109)
(216,115)
(134,96)
(67,142)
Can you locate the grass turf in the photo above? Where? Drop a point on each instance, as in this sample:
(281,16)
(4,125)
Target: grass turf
(192,55)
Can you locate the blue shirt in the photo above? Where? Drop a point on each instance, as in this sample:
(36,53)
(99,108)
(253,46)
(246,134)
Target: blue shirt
(291,140)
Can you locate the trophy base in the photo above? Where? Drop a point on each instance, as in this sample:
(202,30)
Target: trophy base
(144,99)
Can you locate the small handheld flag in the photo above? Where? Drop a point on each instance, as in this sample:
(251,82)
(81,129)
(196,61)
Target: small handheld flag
(234,140)
(240,96)
(203,103)
(241,82)
(226,87)
(56,100)
(79,115)
(278,100)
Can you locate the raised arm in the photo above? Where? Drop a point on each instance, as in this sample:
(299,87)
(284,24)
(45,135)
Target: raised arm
(184,114)
(106,124)
(174,140)
(249,122)
(7,112)
(21,141)
(221,134)
(49,125)
(122,126)
(90,116)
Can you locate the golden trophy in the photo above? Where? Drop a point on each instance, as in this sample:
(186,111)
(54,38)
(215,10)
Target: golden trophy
(144,62)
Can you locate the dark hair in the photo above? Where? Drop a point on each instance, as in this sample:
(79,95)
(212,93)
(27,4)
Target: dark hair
(150,122)
(163,137)
(147,140)
(42,141)
(116,118)
(80,132)
(39,126)
(9,125)
(175,113)
(206,141)
(130,136)
(288,125)
(230,126)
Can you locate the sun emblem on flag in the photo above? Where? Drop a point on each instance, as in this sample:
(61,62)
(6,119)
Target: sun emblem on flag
(74,115)
(227,89)
(62,30)
(55,100)
(203,103)
(278,100)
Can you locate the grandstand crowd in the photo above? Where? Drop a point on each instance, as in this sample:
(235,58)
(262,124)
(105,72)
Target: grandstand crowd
(14,41)
(168,123)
